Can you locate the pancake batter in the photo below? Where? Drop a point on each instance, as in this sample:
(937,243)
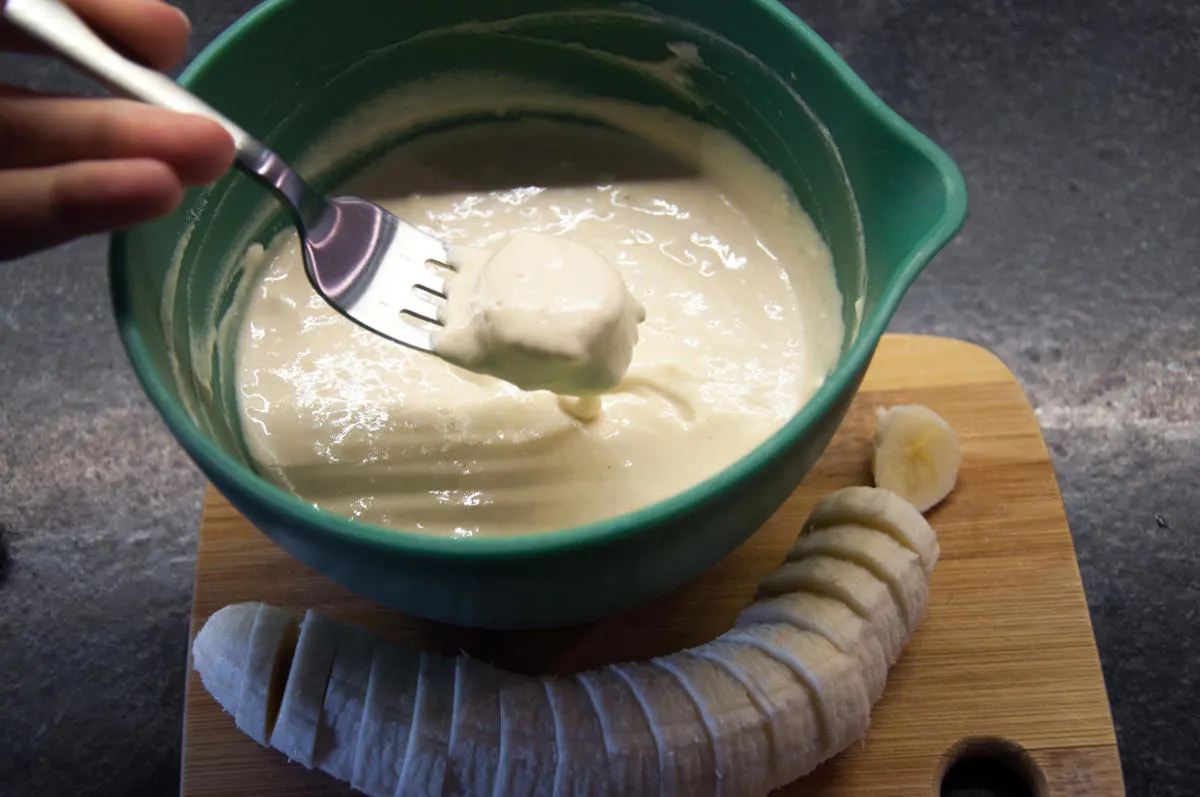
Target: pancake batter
(742,322)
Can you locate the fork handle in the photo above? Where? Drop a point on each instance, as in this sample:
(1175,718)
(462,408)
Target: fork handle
(58,27)
(55,25)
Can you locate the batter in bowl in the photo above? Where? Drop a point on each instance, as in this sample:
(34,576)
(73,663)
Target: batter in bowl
(742,323)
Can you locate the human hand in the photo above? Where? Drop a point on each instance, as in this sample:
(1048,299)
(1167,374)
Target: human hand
(71,166)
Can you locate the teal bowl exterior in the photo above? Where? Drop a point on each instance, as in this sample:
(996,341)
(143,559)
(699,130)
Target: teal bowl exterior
(885,198)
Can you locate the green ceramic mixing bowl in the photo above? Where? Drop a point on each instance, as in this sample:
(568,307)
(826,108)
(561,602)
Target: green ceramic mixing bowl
(884,197)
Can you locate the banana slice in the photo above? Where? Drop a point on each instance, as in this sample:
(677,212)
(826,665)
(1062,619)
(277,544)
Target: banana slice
(685,751)
(916,455)
(833,620)
(425,761)
(849,583)
(738,729)
(295,731)
(345,702)
(243,654)
(220,652)
(888,561)
(632,749)
(791,712)
(833,677)
(528,737)
(877,509)
(272,645)
(475,729)
(583,768)
(387,719)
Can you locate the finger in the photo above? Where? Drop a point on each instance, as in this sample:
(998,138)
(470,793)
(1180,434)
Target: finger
(149,31)
(40,208)
(44,131)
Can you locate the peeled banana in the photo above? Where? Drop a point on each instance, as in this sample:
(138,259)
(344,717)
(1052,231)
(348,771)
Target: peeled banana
(789,687)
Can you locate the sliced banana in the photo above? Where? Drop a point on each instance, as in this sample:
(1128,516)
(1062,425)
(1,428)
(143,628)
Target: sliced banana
(739,730)
(632,748)
(915,455)
(345,702)
(386,726)
(583,769)
(791,711)
(833,677)
(877,509)
(295,731)
(529,749)
(475,728)
(888,561)
(685,751)
(849,583)
(790,686)
(426,758)
(272,645)
(833,620)
(220,652)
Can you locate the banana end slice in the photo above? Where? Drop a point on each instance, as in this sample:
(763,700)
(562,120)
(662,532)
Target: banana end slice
(915,455)
(220,649)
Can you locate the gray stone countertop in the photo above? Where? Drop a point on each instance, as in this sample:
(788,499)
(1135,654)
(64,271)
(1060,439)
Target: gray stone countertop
(1075,124)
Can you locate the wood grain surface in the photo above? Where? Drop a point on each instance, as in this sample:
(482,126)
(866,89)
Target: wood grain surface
(1004,661)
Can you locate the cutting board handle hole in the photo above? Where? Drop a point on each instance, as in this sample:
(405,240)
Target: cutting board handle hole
(990,768)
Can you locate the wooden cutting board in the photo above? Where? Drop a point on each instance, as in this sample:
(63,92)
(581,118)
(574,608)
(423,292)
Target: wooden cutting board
(1005,659)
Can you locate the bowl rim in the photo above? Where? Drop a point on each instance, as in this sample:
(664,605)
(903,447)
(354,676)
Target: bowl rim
(248,486)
